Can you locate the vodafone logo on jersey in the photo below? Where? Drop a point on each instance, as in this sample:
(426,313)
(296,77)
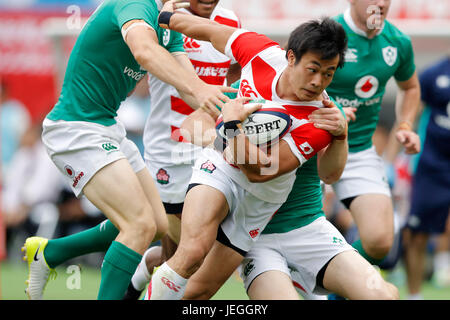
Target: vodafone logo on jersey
(366,87)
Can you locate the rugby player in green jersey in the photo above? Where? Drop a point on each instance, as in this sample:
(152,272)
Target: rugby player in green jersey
(301,252)
(120,42)
(377,51)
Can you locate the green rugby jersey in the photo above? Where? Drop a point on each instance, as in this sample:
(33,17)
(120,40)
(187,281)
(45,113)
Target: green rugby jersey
(304,203)
(361,83)
(101,70)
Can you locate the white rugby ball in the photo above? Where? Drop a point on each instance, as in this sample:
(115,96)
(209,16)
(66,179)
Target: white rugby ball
(264,126)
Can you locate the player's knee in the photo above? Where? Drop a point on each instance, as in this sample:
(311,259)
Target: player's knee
(388,292)
(378,246)
(143,226)
(393,292)
(193,257)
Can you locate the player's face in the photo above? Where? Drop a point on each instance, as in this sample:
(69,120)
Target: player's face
(369,12)
(311,75)
(203,8)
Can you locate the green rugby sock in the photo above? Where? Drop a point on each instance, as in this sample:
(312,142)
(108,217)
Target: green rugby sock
(358,246)
(96,239)
(118,267)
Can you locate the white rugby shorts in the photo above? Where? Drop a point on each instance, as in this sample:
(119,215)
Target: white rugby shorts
(171,180)
(248,215)
(364,173)
(79,149)
(300,253)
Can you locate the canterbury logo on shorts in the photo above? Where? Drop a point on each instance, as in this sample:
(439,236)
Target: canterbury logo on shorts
(109,146)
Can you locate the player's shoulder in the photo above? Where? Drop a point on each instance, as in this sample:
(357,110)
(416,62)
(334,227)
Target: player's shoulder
(225,16)
(395,34)
(339,18)
(157,4)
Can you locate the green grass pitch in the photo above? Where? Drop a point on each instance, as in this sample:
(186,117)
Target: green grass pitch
(85,287)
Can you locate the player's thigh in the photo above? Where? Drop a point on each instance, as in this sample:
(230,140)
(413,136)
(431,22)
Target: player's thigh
(350,275)
(364,181)
(272,285)
(204,208)
(116,191)
(219,264)
(374,216)
(152,195)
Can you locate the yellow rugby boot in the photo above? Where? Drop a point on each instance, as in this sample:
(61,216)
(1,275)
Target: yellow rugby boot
(38,269)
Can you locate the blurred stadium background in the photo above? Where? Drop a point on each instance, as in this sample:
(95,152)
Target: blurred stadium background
(36,37)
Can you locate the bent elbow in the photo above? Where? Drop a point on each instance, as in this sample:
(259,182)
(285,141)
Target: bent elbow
(140,56)
(331,178)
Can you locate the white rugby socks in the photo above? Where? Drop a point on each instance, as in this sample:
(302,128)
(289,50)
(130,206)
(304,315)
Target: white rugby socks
(142,275)
(167,284)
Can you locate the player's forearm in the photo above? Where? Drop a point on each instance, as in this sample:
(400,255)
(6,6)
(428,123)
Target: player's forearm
(160,63)
(199,127)
(408,105)
(332,161)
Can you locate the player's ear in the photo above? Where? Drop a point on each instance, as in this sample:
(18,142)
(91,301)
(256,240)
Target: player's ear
(291,58)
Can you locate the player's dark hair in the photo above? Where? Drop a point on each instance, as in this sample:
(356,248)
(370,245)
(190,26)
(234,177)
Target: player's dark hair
(325,37)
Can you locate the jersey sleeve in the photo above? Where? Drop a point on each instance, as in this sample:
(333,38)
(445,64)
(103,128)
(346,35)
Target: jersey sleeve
(306,140)
(244,45)
(407,65)
(235,23)
(176,44)
(136,10)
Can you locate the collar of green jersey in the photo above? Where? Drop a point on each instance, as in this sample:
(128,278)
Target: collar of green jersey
(351,24)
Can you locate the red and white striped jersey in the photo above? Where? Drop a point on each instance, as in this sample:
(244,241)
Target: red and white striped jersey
(162,139)
(263,61)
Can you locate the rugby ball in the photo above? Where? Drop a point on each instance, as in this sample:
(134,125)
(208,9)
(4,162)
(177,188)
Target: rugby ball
(264,126)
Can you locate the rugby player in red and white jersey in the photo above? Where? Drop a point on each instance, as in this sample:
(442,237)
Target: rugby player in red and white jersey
(243,196)
(168,156)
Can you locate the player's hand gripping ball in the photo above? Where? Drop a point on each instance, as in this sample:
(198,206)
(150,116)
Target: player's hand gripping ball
(263,127)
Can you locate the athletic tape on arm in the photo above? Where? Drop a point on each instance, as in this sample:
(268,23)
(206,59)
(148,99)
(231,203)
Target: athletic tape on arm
(136,24)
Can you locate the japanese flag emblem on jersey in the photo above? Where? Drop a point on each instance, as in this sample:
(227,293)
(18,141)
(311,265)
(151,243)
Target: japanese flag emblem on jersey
(390,55)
